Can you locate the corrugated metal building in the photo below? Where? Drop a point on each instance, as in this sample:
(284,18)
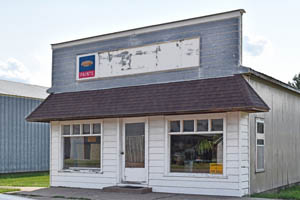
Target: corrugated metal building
(24,146)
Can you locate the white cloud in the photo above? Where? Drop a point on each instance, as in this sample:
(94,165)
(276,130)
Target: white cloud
(261,54)
(14,70)
(39,73)
(255,46)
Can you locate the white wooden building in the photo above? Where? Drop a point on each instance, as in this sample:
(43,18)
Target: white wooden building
(169,107)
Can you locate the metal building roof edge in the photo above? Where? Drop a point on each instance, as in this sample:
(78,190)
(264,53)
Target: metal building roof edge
(248,70)
(16,87)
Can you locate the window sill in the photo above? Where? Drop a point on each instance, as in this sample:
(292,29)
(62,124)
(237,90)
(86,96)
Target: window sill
(259,171)
(195,175)
(84,171)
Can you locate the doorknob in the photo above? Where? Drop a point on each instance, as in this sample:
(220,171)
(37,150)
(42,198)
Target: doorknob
(122,153)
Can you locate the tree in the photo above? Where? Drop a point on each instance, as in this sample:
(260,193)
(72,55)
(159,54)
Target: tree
(296,81)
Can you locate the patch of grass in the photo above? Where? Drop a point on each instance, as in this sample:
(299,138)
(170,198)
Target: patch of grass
(34,179)
(3,190)
(289,193)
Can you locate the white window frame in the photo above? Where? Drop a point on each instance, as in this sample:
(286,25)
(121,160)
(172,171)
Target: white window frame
(168,134)
(259,136)
(81,122)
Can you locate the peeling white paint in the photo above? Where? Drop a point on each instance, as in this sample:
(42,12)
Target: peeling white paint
(157,57)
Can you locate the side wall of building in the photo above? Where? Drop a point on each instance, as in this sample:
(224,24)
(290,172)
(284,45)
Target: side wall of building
(282,137)
(24,146)
(235,182)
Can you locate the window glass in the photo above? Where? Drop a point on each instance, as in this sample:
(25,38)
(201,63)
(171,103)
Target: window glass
(188,125)
(82,152)
(197,153)
(76,129)
(86,129)
(217,125)
(175,126)
(202,125)
(260,142)
(97,128)
(66,130)
(260,157)
(260,127)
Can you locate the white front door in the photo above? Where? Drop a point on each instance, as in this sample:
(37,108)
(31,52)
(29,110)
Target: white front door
(134,154)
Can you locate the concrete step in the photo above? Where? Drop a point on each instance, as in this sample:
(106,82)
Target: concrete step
(128,189)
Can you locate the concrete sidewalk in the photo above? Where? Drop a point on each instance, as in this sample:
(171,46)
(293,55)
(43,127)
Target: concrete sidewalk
(60,193)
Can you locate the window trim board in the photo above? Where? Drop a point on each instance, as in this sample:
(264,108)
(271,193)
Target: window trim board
(259,136)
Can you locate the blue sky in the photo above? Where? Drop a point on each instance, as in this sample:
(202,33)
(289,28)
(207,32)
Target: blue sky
(271,30)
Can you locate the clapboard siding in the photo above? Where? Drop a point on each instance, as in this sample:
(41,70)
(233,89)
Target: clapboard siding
(244,152)
(107,177)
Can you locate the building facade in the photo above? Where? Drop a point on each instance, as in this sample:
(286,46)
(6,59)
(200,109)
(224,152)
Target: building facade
(168,107)
(24,146)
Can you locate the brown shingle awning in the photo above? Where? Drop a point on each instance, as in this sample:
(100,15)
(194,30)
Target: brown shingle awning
(224,94)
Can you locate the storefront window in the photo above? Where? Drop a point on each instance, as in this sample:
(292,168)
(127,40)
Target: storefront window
(197,152)
(82,149)
(82,152)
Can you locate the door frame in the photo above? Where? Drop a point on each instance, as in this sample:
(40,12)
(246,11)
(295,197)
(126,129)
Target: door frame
(122,146)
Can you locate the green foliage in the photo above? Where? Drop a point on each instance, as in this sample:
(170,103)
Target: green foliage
(205,146)
(35,179)
(289,193)
(296,81)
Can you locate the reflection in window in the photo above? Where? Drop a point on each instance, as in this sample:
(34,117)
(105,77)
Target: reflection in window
(175,126)
(260,127)
(82,152)
(217,125)
(188,125)
(97,128)
(86,129)
(202,125)
(197,153)
(66,130)
(76,129)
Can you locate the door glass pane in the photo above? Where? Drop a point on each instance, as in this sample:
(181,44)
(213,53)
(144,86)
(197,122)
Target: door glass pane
(135,145)
(197,153)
